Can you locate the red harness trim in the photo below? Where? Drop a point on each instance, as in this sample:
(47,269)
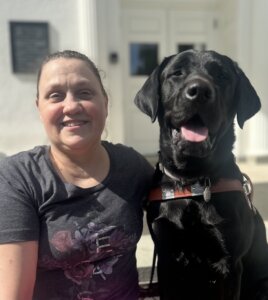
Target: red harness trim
(223,185)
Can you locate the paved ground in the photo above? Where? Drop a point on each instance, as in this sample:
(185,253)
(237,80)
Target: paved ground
(259,176)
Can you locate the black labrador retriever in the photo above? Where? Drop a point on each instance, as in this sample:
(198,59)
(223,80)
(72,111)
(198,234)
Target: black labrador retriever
(210,240)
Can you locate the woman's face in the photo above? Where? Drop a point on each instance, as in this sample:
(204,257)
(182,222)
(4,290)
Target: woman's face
(71,103)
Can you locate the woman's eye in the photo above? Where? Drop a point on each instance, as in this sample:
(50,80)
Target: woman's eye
(56,96)
(86,94)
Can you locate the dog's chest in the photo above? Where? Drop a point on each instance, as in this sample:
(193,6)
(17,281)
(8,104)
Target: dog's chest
(192,215)
(187,231)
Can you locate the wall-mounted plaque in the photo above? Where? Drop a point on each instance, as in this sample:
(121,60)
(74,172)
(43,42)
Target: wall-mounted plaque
(29,45)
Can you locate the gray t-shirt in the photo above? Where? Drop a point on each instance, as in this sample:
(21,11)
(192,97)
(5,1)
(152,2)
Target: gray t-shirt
(87,237)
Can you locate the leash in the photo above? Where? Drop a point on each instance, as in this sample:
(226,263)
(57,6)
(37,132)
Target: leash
(151,289)
(153,268)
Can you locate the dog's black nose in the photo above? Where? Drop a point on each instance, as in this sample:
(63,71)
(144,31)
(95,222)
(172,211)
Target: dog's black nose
(199,90)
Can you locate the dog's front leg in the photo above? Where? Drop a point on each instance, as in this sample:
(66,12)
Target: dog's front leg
(232,282)
(171,284)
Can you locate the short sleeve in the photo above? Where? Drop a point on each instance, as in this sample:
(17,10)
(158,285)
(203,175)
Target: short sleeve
(18,214)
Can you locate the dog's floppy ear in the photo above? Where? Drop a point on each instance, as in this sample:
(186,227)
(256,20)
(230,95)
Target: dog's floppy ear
(248,101)
(148,97)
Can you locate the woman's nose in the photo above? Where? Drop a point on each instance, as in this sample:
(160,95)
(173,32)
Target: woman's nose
(71,104)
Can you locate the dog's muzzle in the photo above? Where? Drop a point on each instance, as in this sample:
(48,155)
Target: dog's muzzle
(199,89)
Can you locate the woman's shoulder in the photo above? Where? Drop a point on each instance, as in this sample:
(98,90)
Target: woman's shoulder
(124,156)
(27,159)
(122,151)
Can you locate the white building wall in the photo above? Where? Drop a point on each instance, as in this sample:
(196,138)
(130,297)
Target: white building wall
(244,28)
(258,144)
(227,27)
(19,120)
(94,28)
(251,54)
(110,42)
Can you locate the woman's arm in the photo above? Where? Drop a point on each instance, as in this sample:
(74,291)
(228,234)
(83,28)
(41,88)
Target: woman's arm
(18,263)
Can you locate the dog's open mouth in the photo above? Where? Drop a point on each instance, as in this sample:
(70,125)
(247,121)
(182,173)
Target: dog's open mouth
(193,130)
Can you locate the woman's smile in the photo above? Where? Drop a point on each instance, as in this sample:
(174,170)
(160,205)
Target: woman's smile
(74,123)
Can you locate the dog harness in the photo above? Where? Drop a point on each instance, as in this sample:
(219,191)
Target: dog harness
(162,193)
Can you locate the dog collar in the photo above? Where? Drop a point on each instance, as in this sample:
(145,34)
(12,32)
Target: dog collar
(162,193)
(168,173)
(177,179)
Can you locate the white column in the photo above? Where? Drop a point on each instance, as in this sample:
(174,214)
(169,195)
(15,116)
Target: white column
(259,45)
(243,57)
(252,44)
(100,35)
(110,41)
(87,18)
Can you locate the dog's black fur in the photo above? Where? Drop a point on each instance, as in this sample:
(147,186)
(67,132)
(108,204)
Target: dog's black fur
(206,250)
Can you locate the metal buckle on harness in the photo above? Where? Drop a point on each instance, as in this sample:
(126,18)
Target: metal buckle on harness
(247,187)
(207,191)
(248,191)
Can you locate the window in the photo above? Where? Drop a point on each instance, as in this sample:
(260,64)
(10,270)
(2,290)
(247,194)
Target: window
(143,58)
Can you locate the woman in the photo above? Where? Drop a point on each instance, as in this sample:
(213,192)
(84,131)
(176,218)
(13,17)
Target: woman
(71,212)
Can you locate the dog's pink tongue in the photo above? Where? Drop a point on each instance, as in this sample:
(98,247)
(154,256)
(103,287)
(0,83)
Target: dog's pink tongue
(194,133)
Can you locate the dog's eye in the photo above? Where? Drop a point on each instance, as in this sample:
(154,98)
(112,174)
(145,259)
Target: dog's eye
(177,73)
(222,76)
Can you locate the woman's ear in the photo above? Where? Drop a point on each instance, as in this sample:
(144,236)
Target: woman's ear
(106,105)
(37,105)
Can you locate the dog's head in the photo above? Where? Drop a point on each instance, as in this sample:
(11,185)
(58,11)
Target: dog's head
(196,96)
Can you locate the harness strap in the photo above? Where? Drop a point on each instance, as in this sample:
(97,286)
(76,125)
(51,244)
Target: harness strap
(223,185)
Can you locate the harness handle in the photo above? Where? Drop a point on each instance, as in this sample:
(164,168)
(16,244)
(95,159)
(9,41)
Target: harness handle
(248,190)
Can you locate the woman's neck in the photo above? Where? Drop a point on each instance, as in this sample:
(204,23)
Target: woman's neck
(84,170)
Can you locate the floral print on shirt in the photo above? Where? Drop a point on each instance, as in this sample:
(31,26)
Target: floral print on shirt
(98,248)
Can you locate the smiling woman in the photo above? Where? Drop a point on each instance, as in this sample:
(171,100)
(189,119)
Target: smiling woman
(71,211)
(73,109)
